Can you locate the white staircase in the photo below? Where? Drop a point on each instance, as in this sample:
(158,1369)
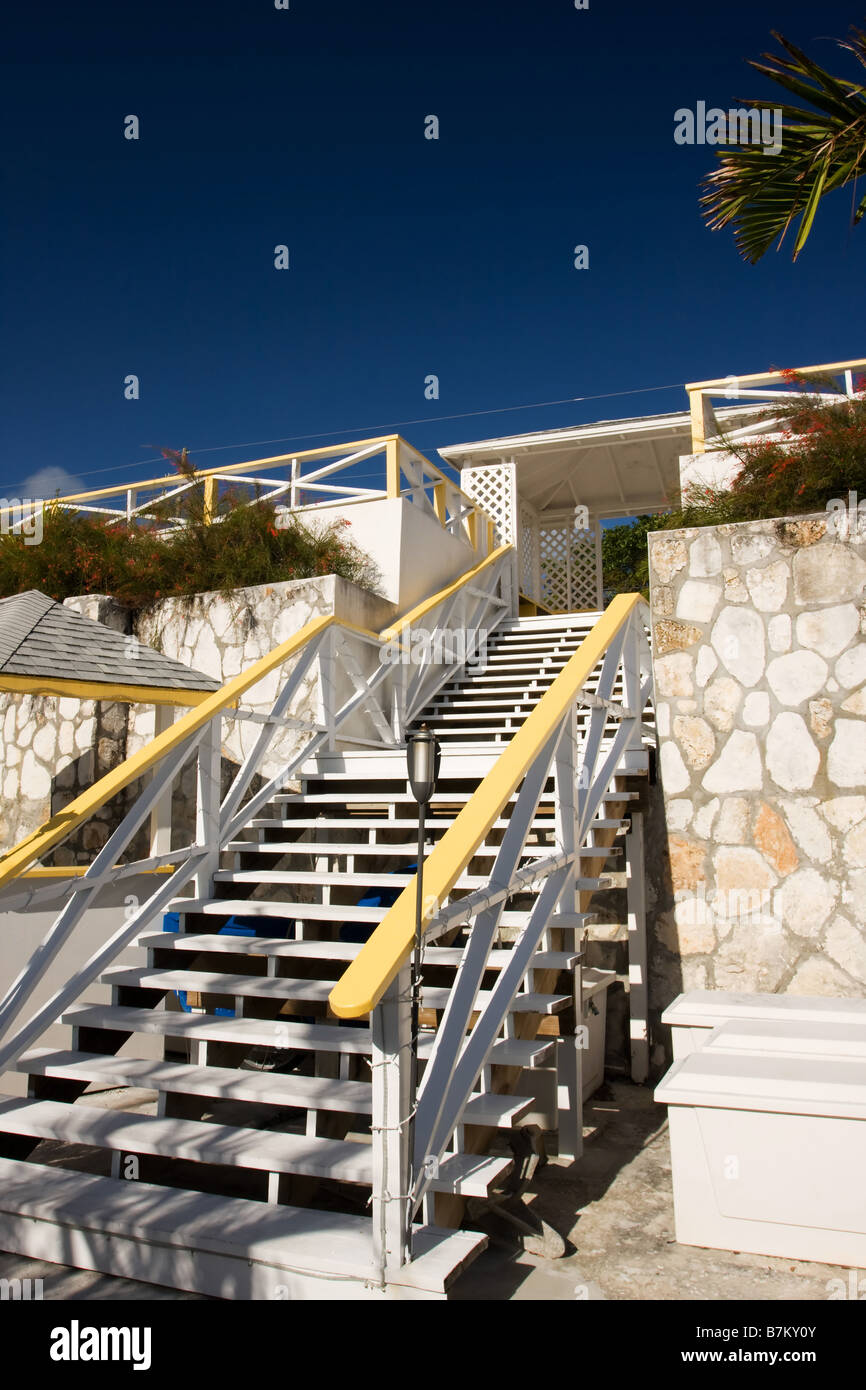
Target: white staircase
(244,1163)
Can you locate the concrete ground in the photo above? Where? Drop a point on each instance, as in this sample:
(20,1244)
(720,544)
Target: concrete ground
(615,1206)
(615,1210)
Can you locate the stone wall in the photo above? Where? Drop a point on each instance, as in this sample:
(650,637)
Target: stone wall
(759,639)
(55,748)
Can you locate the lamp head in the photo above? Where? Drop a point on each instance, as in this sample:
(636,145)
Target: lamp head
(423,756)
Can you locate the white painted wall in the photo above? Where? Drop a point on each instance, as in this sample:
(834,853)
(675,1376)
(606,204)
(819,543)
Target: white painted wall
(414,554)
(716,469)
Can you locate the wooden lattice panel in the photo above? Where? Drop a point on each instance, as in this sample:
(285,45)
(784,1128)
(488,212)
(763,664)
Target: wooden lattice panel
(553,549)
(569,567)
(492,487)
(528,547)
(584,571)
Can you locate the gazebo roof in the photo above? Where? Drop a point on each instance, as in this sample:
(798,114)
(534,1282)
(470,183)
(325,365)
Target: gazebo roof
(613,467)
(47,648)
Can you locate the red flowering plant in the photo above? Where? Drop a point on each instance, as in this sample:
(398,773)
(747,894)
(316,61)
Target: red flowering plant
(815,453)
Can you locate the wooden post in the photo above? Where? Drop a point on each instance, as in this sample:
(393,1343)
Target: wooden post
(391,1023)
(704,423)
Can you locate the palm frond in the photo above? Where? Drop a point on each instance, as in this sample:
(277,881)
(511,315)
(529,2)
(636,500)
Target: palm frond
(760,194)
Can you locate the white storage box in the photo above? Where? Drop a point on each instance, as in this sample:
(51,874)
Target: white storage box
(769,1151)
(692,1016)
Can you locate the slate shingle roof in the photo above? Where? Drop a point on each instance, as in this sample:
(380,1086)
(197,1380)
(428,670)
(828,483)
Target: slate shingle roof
(41,638)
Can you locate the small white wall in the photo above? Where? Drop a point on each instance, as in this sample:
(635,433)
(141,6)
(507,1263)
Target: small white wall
(714,469)
(21,933)
(414,554)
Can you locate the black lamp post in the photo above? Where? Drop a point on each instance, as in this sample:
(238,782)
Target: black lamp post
(422,756)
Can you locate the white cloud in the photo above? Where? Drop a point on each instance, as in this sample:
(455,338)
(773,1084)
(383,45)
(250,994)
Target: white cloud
(50,482)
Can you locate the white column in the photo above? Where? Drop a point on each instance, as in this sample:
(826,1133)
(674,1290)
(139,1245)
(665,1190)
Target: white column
(391,1023)
(207,814)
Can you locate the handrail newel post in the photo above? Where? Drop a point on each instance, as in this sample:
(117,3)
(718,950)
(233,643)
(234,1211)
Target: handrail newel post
(391,1026)
(207,817)
(327,685)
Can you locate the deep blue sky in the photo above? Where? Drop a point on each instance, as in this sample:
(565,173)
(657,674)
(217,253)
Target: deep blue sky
(408,256)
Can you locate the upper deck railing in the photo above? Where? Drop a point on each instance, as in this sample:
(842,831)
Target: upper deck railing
(762,386)
(299,482)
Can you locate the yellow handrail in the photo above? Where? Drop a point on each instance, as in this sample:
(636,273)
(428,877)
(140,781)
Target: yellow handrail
(362,985)
(52,831)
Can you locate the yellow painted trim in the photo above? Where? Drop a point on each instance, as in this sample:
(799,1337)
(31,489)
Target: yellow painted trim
(764,378)
(472,529)
(364,982)
(79,870)
(491,534)
(254,464)
(422,609)
(40,841)
(536,604)
(440,505)
(101,690)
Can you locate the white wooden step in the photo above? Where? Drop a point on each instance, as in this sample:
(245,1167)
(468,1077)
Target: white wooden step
(192,1140)
(531,1003)
(496,1111)
(339,912)
(342,951)
(471,1175)
(210,1244)
(218,1083)
(281,987)
(520,1052)
(278,1033)
(465,1174)
(249,1032)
